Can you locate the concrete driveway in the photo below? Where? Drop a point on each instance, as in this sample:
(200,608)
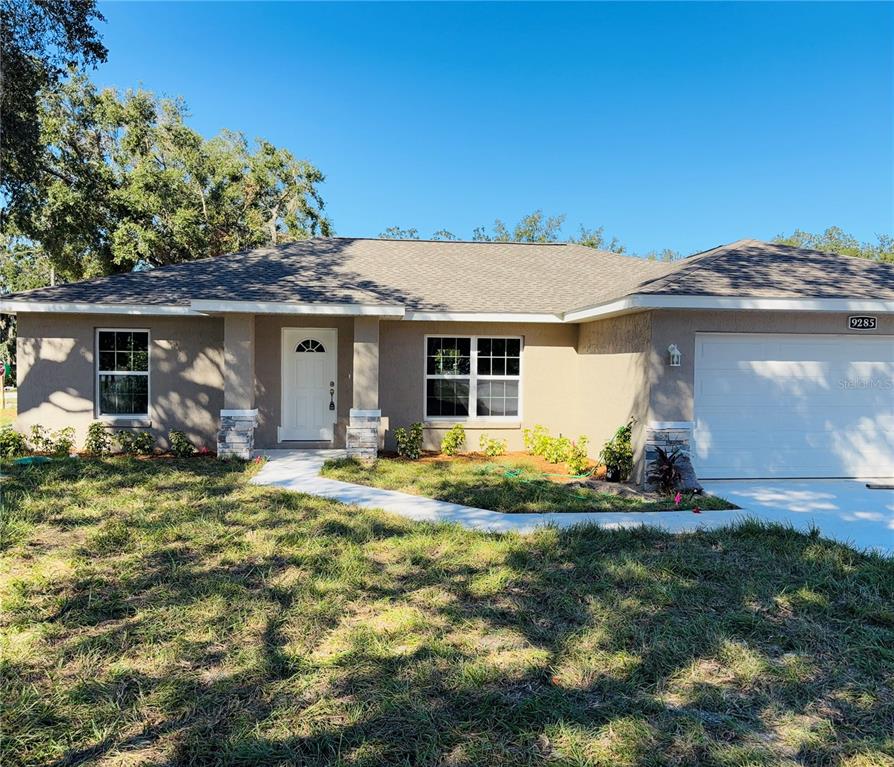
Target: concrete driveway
(844,510)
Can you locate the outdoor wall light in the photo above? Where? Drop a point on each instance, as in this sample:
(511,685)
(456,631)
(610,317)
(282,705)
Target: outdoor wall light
(674,356)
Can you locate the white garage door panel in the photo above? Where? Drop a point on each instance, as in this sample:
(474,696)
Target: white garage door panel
(794,406)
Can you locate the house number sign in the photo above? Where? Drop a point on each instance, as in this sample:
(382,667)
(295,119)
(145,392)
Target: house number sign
(862,322)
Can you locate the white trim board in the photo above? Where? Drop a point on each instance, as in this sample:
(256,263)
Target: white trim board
(643,302)
(295,307)
(81,307)
(629,304)
(481,317)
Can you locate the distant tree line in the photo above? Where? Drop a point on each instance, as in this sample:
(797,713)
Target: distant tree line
(536,227)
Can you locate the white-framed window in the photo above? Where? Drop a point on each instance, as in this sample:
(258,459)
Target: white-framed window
(473,377)
(122,372)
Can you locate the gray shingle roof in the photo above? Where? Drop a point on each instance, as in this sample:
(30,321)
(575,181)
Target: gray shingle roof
(418,274)
(480,277)
(768,270)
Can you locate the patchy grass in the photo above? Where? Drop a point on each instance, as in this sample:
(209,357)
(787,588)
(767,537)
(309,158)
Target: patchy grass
(8,414)
(166,612)
(485,485)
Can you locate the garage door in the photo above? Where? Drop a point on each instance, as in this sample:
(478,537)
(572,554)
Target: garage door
(793,406)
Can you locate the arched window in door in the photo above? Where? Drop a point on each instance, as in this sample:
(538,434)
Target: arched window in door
(310,345)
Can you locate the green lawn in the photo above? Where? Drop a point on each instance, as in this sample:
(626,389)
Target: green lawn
(166,612)
(8,414)
(485,485)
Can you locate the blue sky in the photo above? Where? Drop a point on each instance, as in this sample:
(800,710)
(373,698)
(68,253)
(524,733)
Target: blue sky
(672,125)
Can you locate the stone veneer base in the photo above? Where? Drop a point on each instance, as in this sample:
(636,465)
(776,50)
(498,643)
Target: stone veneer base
(362,434)
(236,436)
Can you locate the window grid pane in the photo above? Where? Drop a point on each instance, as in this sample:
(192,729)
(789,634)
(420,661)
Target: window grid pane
(123,394)
(123,351)
(451,376)
(499,357)
(447,397)
(448,356)
(497,398)
(123,372)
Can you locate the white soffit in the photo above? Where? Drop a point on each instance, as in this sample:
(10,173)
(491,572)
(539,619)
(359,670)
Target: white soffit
(643,302)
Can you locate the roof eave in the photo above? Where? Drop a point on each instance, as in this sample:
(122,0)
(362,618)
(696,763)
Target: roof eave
(644,302)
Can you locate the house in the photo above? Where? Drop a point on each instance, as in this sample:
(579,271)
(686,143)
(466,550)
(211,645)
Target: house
(763,360)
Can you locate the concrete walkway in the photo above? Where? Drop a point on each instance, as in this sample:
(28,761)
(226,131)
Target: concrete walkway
(843,510)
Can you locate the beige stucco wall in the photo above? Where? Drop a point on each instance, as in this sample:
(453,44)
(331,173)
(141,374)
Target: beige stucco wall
(549,378)
(576,379)
(613,381)
(57,378)
(672,388)
(268,376)
(239,361)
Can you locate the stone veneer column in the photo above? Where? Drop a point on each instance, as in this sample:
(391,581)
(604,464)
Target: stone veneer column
(669,436)
(236,436)
(362,436)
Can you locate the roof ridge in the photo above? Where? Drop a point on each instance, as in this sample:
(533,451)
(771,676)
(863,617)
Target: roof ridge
(675,273)
(457,242)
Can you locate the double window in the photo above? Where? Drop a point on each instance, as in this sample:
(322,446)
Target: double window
(122,372)
(472,377)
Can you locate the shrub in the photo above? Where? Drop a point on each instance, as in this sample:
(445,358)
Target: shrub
(492,447)
(577,461)
(99,441)
(58,443)
(536,440)
(180,445)
(62,442)
(39,439)
(11,443)
(664,472)
(409,441)
(454,440)
(557,449)
(617,454)
(135,442)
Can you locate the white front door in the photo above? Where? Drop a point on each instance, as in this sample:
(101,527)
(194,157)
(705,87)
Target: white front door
(779,405)
(309,383)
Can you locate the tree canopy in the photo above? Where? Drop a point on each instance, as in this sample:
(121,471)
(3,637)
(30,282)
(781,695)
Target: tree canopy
(125,181)
(40,41)
(535,227)
(836,240)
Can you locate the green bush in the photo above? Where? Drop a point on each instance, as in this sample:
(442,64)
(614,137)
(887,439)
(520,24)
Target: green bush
(577,461)
(58,443)
(39,439)
(63,442)
(557,449)
(454,440)
(135,442)
(180,445)
(409,441)
(617,454)
(536,440)
(99,441)
(12,443)
(493,447)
